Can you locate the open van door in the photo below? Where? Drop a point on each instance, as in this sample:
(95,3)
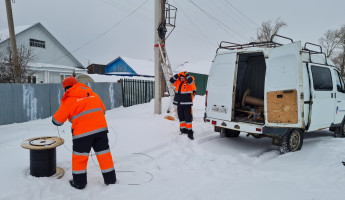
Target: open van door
(283,87)
(220,86)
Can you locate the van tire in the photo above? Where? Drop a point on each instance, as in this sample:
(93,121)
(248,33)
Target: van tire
(222,132)
(292,141)
(217,129)
(341,131)
(231,133)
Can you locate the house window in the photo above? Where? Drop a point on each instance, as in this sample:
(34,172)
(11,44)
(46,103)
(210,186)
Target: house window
(63,76)
(32,79)
(37,43)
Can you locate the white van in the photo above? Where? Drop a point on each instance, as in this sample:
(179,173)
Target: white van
(272,90)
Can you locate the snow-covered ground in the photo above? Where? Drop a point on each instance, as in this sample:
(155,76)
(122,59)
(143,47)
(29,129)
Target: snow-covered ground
(154,162)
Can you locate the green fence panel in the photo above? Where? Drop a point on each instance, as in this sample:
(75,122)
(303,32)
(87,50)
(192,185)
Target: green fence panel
(137,91)
(200,83)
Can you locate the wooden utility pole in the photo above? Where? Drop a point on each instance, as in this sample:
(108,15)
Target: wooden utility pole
(159,19)
(13,45)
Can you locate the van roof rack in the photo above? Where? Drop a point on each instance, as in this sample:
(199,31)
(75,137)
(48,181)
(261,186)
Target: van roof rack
(268,44)
(311,52)
(271,44)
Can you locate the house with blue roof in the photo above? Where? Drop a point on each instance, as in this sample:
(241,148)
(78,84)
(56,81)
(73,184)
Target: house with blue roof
(123,66)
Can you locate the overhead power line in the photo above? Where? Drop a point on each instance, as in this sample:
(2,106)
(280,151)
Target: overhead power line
(126,9)
(234,17)
(226,1)
(104,33)
(190,20)
(218,22)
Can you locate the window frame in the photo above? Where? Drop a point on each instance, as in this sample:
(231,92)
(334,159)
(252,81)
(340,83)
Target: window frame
(63,76)
(37,43)
(32,79)
(342,85)
(313,77)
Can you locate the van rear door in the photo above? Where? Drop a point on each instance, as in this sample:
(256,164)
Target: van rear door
(284,88)
(220,86)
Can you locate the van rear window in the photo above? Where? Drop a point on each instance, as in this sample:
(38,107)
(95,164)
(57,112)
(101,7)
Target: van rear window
(322,78)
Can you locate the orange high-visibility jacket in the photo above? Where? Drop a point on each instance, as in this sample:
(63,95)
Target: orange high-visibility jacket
(84,109)
(184,92)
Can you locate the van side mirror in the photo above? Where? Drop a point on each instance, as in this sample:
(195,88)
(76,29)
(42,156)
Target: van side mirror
(339,88)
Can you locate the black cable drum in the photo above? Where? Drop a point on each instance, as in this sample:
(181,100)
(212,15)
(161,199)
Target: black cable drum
(43,162)
(43,156)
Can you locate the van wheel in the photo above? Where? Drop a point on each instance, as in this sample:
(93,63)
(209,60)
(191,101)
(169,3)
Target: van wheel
(340,132)
(222,133)
(217,129)
(292,141)
(231,133)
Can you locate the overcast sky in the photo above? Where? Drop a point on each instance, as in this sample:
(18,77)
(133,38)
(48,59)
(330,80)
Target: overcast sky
(94,24)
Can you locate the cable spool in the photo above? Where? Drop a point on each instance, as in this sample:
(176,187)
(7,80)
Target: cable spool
(246,99)
(43,156)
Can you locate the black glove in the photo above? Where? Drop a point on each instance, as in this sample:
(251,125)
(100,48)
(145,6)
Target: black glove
(174,78)
(189,79)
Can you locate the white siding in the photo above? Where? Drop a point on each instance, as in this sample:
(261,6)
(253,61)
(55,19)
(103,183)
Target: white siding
(53,53)
(50,62)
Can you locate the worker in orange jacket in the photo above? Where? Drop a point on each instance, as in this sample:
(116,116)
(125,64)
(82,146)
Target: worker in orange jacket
(185,91)
(85,110)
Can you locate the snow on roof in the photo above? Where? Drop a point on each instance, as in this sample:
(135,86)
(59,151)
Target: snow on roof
(141,67)
(122,73)
(113,78)
(4,33)
(200,67)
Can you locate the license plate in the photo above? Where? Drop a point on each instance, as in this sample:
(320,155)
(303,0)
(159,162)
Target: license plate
(219,109)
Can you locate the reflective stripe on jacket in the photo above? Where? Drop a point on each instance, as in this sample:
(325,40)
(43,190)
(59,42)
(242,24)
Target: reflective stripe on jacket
(184,92)
(84,109)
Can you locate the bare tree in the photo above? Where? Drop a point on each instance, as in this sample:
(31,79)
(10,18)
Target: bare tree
(333,41)
(268,29)
(340,58)
(7,67)
(330,41)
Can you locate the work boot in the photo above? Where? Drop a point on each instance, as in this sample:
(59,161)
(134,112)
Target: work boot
(110,182)
(109,177)
(190,136)
(183,131)
(76,186)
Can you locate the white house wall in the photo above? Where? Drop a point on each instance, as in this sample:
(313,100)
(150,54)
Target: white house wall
(50,62)
(52,53)
(52,75)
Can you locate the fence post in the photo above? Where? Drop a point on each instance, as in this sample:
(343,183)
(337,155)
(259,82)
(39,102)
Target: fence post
(137,93)
(127,91)
(142,91)
(122,89)
(144,87)
(132,92)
